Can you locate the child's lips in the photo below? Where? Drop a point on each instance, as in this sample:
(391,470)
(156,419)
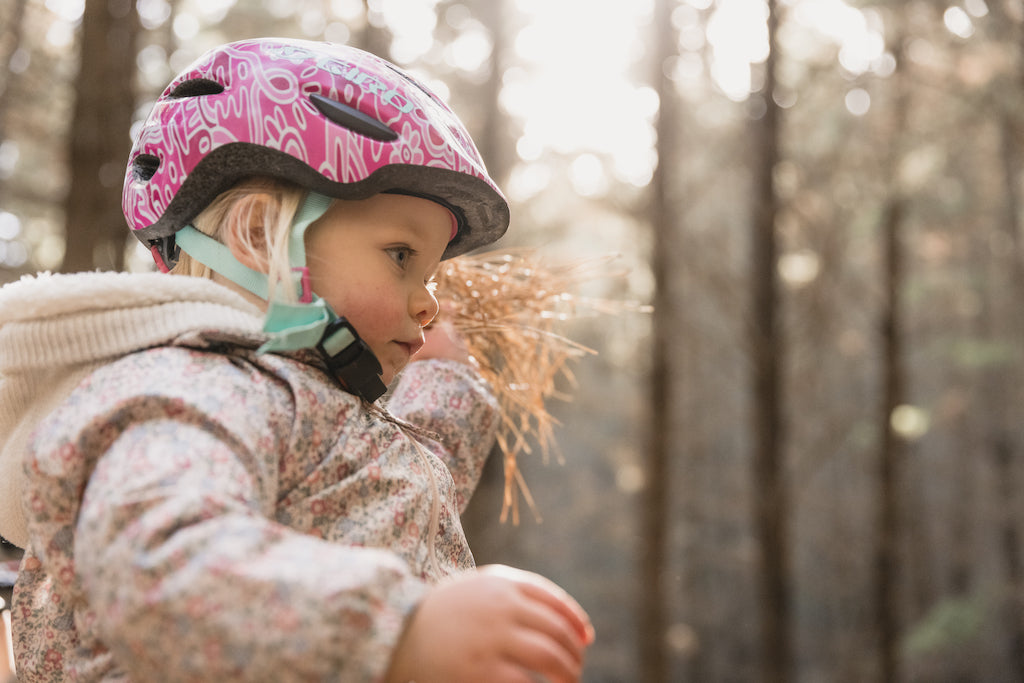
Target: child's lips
(411,347)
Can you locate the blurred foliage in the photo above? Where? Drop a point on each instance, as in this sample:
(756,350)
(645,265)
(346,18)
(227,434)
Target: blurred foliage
(951,623)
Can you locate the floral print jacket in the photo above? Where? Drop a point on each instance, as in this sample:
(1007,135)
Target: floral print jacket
(198,512)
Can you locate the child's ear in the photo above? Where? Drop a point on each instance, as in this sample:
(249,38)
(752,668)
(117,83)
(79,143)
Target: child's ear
(245,233)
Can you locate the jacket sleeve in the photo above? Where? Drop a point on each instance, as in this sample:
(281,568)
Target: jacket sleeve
(450,399)
(174,556)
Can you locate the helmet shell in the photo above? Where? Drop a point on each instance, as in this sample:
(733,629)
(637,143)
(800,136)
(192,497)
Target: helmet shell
(330,118)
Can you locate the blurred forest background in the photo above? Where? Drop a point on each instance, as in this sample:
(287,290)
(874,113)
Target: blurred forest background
(806,464)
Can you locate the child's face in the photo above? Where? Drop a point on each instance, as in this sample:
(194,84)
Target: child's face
(373,260)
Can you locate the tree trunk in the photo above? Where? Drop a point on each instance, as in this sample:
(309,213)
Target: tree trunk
(1003,446)
(653,622)
(771,503)
(99,142)
(891,451)
(1010,546)
(891,447)
(13,33)
(374,39)
(493,138)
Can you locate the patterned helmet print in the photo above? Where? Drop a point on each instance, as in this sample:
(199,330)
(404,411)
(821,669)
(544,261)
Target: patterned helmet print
(330,118)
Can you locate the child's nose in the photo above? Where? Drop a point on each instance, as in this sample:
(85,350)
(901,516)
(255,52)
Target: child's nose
(424,306)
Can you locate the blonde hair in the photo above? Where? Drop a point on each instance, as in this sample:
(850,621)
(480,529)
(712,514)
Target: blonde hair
(264,202)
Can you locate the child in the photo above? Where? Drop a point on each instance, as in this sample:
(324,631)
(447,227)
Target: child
(207,488)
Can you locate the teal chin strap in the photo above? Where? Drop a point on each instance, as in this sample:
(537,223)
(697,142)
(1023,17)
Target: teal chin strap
(308,324)
(218,257)
(294,326)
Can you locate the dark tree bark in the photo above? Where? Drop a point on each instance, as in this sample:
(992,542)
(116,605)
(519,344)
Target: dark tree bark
(1004,448)
(891,447)
(891,451)
(771,500)
(373,39)
(99,142)
(493,139)
(653,621)
(12,39)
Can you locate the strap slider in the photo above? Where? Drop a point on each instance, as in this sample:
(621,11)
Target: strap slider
(351,361)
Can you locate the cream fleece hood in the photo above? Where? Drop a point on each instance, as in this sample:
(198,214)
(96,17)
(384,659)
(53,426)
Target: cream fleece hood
(56,329)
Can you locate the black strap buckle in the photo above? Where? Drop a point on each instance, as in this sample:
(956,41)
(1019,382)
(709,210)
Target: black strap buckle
(351,361)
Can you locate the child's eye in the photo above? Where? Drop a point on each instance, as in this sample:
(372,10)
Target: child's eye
(400,255)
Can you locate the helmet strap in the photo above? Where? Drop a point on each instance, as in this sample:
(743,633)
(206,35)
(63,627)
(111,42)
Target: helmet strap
(219,258)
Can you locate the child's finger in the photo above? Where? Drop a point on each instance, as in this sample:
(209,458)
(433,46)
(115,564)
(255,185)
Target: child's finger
(549,593)
(543,657)
(563,605)
(537,618)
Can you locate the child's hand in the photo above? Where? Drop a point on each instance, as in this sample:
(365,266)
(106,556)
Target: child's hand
(440,340)
(496,624)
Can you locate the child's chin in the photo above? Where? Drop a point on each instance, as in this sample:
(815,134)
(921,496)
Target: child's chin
(389,376)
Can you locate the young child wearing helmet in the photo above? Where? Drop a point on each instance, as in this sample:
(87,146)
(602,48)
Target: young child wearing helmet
(199,471)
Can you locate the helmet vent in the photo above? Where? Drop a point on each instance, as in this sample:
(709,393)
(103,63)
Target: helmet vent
(197,87)
(353,119)
(144,166)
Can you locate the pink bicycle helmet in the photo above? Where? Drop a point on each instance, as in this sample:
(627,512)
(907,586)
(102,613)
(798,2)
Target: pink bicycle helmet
(331,118)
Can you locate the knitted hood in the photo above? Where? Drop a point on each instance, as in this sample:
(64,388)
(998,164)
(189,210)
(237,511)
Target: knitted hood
(56,329)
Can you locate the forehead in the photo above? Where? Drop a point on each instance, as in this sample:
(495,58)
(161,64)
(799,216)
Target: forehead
(387,217)
(398,210)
